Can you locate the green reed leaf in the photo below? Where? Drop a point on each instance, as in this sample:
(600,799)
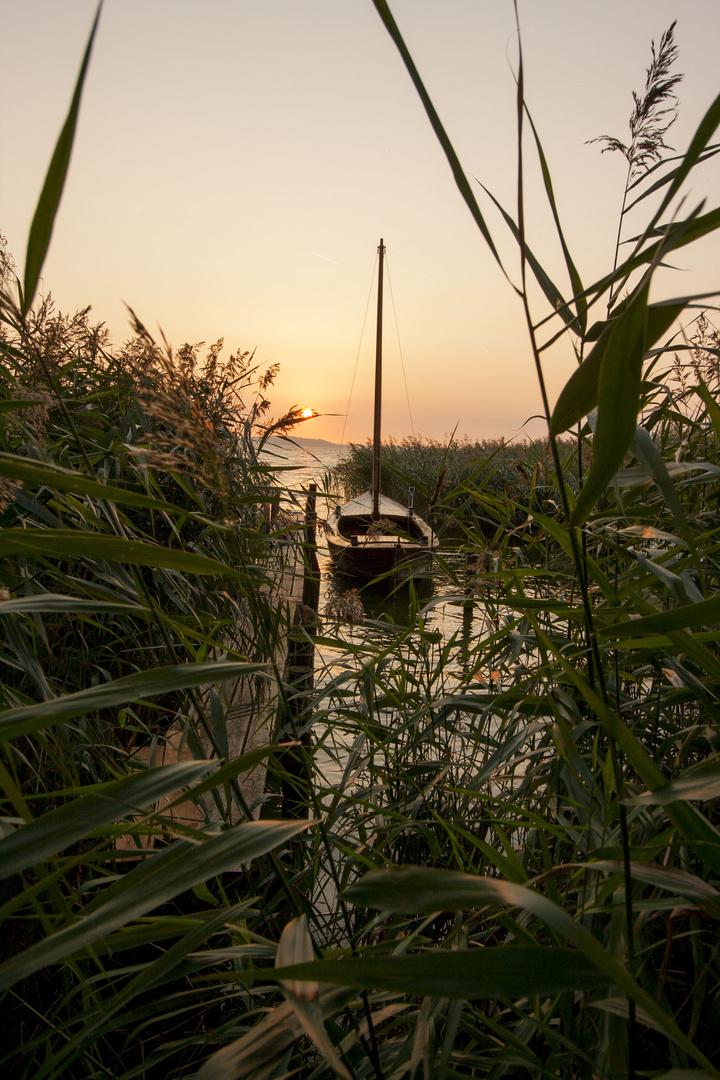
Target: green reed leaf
(619,1007)
(261,1051)
(688,644)
(159,878)
(680,882)
(144,684)
(712,406)
(575,280)
(193,933)
(648,454)
(666,178)
(12,404)
(295,946)
(700,782)
(618,401)
(685,1074)
(579,396)
(698,831)
(457,170)
(700,226)
(698,145)
(48,602)
(65,544)
(54,831)
(549,288)
(686,616)
(677,235)
(47,207)
(498,971)
(41,473)
(416,891)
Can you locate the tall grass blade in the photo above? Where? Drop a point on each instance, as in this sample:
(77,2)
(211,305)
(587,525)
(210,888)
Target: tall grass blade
(579,396)
(61,479)
(416,890)
(144,684)
(50,834)
(618,401)
(457,170)
(501,971)
(302,995)
(47,207)
(71,543)
(159,878)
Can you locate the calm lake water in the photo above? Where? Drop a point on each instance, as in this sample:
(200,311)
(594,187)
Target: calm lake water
(440,621)
(434,604)
(311,461)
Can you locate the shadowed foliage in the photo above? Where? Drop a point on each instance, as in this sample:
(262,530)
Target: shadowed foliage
(510,861)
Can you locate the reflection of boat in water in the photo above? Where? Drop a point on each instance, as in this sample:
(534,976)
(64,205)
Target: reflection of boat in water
(372,534)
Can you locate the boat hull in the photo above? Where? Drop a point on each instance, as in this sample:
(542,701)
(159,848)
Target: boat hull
(398,543)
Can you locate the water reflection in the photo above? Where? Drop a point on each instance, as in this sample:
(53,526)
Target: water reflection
(397,602)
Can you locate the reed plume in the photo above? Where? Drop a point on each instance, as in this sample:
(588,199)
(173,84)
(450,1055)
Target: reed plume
(654,112)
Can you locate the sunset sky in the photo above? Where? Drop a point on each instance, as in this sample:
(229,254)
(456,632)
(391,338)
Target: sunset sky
(237,161)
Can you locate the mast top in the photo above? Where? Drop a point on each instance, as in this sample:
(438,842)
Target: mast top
(381,247)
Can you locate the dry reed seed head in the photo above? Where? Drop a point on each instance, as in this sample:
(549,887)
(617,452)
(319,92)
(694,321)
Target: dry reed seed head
(286,522)
(36,416)
(7,263)
(482,571)
(479,563)
(308,616)
(184,437)
(268,377)
(705,344)
(382,525)
(345,607)
(55,338)
(8,490)
(654,112)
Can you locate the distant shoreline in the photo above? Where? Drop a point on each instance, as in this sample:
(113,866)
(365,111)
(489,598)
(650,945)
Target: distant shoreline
(306,444)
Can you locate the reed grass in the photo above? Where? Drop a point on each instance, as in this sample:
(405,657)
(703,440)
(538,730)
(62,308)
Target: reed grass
(510,861)
(447,476)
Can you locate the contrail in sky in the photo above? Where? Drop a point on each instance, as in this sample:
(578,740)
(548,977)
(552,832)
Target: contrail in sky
(325,258)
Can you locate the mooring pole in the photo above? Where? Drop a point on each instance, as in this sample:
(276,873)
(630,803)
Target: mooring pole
(311,583)
(300,678)
(378,390)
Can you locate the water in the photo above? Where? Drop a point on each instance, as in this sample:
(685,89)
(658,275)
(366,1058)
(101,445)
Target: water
(298,463)
(303,461)
(427,627)
(440,620)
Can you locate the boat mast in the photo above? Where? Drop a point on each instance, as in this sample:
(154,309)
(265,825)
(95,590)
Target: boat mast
(378,391)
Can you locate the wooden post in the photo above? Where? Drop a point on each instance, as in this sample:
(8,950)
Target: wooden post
(300,676)
(467,614)
(378,391)
(311,582)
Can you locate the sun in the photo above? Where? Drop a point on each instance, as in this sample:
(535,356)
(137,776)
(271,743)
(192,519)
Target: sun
(307,413)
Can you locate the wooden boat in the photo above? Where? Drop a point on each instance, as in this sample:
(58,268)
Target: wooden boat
(373,535)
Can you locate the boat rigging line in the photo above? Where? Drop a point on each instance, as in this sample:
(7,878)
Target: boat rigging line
(397,332)
(357,358)
(362,335)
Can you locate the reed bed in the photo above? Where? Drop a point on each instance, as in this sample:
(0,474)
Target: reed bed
(444,474)
(506,854)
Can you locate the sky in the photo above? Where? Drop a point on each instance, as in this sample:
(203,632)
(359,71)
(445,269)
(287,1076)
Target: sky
(237,161)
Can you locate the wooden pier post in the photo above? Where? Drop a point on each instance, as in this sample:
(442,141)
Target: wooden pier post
(300,677)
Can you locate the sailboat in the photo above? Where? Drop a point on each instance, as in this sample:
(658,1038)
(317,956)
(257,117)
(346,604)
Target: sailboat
(373,535)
